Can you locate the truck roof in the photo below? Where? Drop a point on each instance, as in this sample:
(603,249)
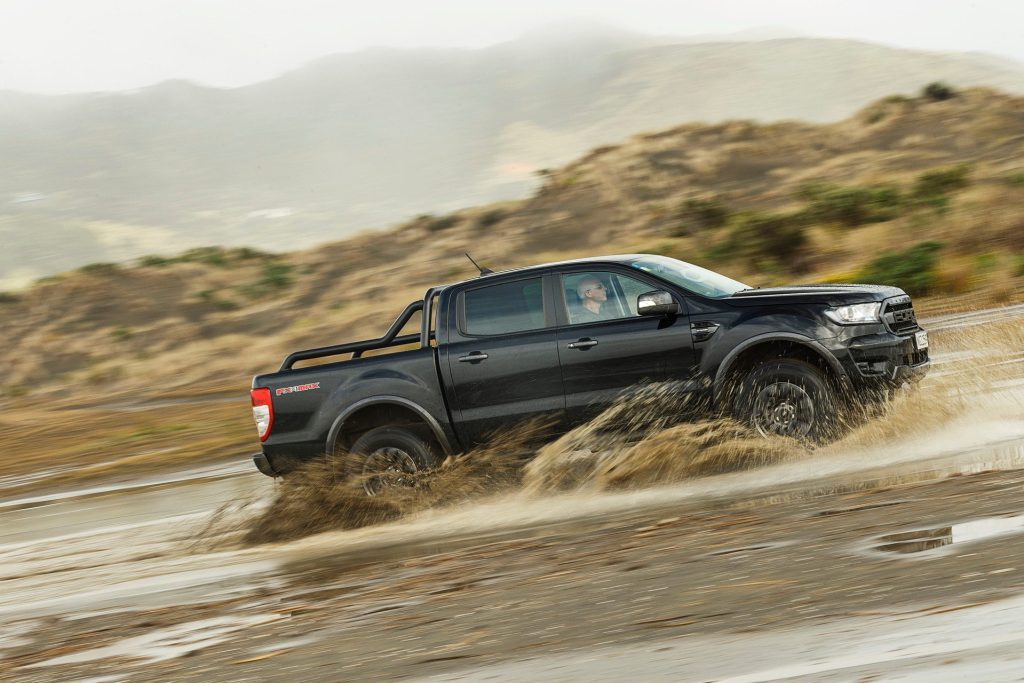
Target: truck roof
(612,258)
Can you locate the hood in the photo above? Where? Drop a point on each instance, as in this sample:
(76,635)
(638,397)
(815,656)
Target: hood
(831,295)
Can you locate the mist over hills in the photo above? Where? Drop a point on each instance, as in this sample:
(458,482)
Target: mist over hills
(362,140)
(763,203)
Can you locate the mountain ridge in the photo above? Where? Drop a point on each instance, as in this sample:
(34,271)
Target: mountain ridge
(357,143)
(764,203)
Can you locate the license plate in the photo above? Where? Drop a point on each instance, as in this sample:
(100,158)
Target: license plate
(921,340)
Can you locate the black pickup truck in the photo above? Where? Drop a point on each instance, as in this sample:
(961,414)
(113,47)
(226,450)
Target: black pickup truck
(565,339)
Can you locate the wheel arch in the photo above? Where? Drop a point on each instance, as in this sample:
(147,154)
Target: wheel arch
(379,411)
(773,345)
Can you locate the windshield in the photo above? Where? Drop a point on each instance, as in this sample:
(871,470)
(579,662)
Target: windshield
(694,278)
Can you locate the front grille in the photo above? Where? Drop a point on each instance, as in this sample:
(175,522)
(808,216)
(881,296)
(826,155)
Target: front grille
(898,315)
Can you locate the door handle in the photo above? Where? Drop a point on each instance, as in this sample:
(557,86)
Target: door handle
(583,344)
(474,357)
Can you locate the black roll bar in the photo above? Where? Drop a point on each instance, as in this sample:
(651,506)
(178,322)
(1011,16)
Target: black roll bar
(390,338)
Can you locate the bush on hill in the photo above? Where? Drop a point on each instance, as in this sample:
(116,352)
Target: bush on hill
(775,236)
(938,91)
(852,206)
(911,269)
(700,213)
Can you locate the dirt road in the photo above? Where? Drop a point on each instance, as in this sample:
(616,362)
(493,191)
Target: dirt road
(897,555)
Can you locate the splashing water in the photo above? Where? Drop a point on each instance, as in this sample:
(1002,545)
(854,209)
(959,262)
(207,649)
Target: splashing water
(638,442)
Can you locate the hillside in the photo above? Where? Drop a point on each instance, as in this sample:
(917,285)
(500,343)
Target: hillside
(765,203)
(366,139)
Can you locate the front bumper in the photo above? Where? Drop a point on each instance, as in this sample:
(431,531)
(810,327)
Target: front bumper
(883,360)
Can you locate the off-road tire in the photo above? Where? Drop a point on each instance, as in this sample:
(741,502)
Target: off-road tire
(396,452)
(788,397)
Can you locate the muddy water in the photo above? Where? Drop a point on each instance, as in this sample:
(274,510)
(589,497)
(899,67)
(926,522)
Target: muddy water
(96,569)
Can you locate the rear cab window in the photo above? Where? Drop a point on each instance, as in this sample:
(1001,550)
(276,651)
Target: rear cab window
(504,308)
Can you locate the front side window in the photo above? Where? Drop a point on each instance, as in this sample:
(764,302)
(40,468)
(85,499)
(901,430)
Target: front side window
(601,295)
(506,308)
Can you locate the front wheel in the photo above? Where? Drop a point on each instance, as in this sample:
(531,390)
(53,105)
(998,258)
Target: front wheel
(390,457)
(787,398)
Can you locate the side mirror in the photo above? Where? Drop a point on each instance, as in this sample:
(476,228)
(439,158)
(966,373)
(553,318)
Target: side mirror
(658,302)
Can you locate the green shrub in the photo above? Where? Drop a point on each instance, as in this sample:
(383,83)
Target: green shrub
(214,256)
(943,181)
(851,206)
(122,333)
(8,298)
(276,275)
(700,213)
(912,269)
(154,261)
(442,223)
(489,218)
(48,279)
(986,262)
(722,250)
(248,254)
(938,91)
(776,236)
(101,269)
(1018,267)
(14,391)
(876,115)
(225,305)
(1016,178)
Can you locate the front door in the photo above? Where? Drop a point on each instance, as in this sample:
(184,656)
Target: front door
(503,360)
(605,347)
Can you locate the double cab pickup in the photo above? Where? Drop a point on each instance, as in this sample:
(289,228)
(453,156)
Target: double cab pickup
(562,341)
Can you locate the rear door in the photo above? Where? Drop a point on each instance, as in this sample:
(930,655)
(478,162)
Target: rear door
(502,357)
(605,346)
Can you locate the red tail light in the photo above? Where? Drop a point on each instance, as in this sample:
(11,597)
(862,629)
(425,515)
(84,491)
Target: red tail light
(262,412)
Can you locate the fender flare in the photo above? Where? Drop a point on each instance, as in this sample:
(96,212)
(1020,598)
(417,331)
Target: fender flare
(435,426)
(813,344)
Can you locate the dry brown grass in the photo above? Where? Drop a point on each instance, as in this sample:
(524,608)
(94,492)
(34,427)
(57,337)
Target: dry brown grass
(81,445)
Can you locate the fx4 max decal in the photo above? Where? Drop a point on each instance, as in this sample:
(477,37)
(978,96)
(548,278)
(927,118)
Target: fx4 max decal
(298,387)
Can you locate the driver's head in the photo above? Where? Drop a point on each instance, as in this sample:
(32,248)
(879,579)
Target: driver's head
(591,288)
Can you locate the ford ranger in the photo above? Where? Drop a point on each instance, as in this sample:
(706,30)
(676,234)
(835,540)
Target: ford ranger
(563,340)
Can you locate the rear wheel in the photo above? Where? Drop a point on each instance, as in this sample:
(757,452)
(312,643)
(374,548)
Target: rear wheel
(787,398)
(388,457)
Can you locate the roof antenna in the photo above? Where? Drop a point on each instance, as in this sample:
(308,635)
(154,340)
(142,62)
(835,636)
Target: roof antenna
(483,271)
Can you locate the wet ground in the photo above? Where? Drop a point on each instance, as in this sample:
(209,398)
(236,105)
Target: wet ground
(897,556)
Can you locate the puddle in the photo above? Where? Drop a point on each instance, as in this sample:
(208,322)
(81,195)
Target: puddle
(936,537)
(744,549)
(857,508)
(233,468)
(17,635)
(163,644)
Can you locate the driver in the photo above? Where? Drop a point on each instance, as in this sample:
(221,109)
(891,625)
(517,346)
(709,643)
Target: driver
(592,295)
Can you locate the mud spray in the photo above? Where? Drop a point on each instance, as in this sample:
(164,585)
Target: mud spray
(636,443)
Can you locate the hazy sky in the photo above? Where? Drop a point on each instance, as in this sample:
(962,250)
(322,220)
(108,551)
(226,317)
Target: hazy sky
(75,45)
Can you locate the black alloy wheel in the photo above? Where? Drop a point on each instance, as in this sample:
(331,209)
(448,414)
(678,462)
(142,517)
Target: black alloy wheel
(787,397)
(391,456)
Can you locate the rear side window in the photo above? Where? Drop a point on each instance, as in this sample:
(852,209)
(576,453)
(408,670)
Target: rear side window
(502,309)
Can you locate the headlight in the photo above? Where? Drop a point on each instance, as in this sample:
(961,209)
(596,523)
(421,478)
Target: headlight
(855,314)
